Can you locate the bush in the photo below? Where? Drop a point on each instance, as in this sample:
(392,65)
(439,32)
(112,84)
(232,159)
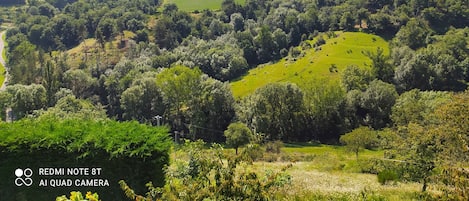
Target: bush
(208,174)
(386,176)
(124,150)
(274,147)
(253,152)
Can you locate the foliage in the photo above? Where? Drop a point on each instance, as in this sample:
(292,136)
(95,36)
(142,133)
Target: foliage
(414,34)
(438,143)
(89,137)
(362,137)
(274,147)
(24,99)
(237,135)
(355,78)
(69,107)
(77,196)
(324,108)
(195,103)
(275,110)
(386,176)
(143,100)
(417,106)
(220,58)
(108,144)
(439,66)
(380,66)
(208,175)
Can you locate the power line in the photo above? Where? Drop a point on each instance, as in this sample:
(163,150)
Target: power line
(196,126)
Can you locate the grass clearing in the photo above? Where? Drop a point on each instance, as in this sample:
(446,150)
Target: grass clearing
(332,173)
(341,51)
(90,51)
(193,5)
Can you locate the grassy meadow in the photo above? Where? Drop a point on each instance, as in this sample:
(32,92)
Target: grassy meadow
(346,49)
(327,172)
(323,172)
(192,5)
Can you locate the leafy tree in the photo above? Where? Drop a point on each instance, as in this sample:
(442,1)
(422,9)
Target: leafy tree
(47,10)
(220,58)
(371,107)
(417,106)
(323,102)
(355,78)
(438,142)
(419,148)
(80,82)
(164,33)
(276,110)
(265,43)
(453,135)
(377,101)
(22,61)
(25,99)
(347,21)
(381,68)
(67,30)
(237,135)
(359,138)
(229,7)
(143,100)
(106,30)
(383,22)
(179,85)
(212,110)
(69,107)
(5,100)
(414,34)
(237,21)
(434,67)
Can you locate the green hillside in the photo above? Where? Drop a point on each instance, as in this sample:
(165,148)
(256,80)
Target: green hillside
(339,52)
(192,5)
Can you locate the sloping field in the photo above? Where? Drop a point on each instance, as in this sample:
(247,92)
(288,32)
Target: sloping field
(328,61)
(192,5)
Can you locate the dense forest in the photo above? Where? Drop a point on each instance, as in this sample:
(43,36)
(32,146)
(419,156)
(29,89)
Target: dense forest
(151,62)
(428,40)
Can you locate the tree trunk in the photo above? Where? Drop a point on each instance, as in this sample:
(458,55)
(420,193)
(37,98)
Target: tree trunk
(424,187)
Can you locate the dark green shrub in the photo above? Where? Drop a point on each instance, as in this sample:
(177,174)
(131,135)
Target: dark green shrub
(124,150)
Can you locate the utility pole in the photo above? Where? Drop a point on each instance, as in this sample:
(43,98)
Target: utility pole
(158,118)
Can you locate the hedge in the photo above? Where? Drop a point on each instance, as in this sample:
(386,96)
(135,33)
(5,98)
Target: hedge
(129,151)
